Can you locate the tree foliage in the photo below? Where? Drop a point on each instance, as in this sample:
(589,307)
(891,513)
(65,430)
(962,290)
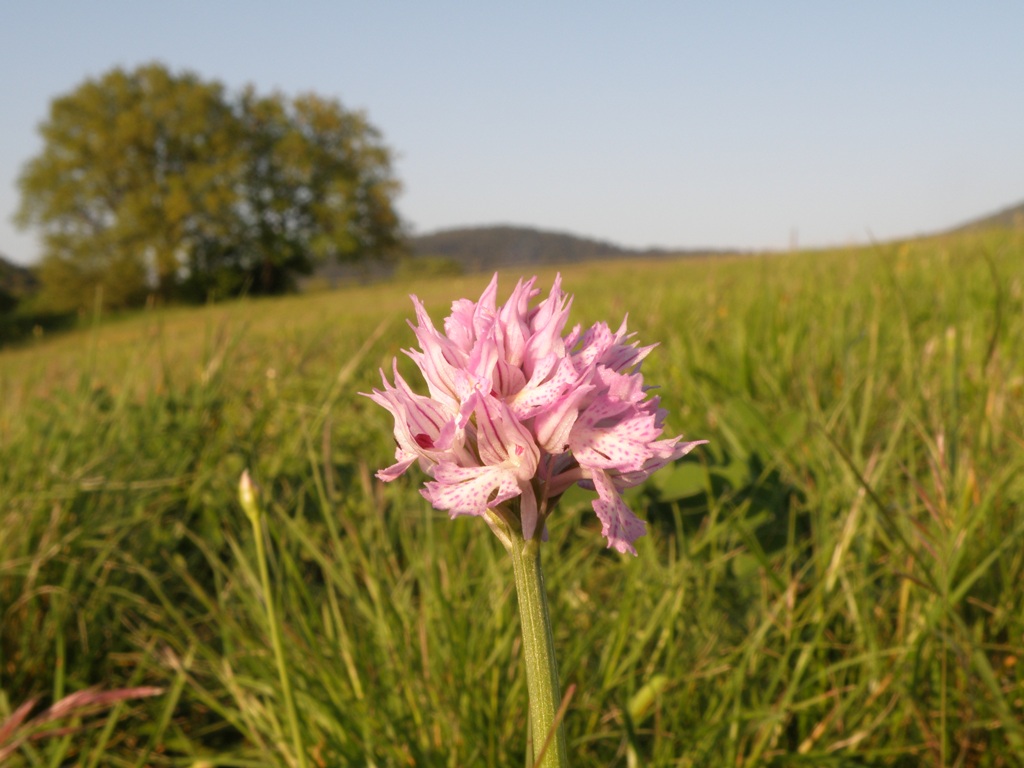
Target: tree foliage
(154,181)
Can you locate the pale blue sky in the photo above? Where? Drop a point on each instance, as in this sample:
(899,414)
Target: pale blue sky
(672,124)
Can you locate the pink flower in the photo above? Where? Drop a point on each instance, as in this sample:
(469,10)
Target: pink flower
(519,411)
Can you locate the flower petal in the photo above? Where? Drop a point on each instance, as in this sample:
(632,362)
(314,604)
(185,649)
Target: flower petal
(664,452)
(609,440)
(405,460)
(618,523)
(469,490)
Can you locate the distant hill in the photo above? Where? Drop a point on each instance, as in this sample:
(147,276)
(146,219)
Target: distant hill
(482,249)
(1008,218)
(488,248)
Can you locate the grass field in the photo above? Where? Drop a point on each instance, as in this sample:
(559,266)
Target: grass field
(837,579)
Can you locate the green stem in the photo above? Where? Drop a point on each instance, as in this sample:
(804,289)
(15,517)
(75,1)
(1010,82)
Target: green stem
(254,512)
(539,653)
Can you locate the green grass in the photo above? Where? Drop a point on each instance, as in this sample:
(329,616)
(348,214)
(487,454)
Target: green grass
(837,579)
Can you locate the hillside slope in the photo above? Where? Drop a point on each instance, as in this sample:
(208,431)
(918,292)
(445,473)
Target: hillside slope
(489,248)
(1008,218)
(480,249)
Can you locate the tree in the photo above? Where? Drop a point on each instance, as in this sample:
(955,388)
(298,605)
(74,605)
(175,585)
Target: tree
(317,185)
(154,181)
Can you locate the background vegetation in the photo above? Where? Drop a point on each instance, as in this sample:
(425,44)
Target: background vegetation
(834,580)
(159,184)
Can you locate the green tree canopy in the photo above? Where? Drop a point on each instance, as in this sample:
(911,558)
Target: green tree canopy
(154,181)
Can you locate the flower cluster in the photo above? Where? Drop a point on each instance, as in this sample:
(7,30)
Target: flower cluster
(519,412)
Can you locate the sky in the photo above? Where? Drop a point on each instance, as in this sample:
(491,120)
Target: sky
(750,125)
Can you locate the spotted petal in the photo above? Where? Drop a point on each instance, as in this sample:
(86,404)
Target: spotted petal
(470,490)
(618,524)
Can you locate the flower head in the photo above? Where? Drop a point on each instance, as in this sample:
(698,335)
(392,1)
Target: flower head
(520,410)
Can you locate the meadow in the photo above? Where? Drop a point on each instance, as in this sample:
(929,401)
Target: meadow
(837,579)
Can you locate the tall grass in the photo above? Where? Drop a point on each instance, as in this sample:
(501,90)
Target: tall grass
(835,580)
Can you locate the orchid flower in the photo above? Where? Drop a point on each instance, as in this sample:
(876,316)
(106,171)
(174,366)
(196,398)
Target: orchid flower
(520,410)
